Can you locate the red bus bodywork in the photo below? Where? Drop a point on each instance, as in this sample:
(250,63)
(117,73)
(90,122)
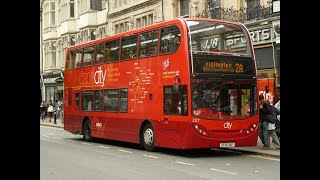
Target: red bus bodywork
(145,78)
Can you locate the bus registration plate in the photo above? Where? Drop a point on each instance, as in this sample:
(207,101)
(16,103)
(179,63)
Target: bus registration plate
(229,144)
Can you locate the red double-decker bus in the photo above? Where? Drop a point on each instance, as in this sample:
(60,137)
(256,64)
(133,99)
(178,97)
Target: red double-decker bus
(183,84)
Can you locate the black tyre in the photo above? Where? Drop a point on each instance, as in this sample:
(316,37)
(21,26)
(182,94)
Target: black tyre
(148,138)
(87,131)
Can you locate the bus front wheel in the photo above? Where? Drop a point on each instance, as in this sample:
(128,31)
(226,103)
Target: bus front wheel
(148,137)
(87,131)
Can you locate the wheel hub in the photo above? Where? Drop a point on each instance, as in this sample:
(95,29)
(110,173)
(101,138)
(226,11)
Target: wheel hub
(148,137)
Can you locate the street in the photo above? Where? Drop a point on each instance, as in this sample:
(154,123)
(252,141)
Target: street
(65,156)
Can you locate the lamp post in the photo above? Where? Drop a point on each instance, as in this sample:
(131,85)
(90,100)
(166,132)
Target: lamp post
(41,47)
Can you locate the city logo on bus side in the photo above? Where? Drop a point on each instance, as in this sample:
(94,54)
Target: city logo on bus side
(227,125)
(99,77)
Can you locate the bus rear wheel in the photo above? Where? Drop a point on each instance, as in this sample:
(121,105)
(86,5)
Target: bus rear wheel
(87,131)
(148,138)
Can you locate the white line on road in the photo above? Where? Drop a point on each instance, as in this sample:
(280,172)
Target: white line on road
(52,128)
(103,146)
(124,151)
(223,171)
(150,156)
(70,140)
(263,157)
(185,163)
(56,138)
(85,143)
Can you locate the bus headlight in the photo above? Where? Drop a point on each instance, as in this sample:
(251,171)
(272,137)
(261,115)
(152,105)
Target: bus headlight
(200,129)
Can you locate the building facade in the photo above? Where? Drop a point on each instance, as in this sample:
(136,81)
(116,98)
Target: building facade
(64,23)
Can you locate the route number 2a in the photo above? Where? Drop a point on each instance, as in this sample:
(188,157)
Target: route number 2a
(239,68)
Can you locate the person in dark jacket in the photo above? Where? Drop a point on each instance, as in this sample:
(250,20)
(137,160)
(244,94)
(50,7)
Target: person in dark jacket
(265,110)
(43,109)
(272,129)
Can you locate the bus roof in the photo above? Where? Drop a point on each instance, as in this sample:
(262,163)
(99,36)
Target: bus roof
(177,20)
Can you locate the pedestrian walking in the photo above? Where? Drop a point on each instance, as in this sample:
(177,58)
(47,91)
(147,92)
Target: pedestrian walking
(57,107)
(272,130)
(62,112)
(43,108)
(277,124)
(265,110)
(50,110)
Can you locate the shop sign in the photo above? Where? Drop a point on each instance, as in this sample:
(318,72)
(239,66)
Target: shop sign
(50,80)
(258,36)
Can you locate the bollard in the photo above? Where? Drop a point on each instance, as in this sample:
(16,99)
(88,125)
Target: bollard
(55,116)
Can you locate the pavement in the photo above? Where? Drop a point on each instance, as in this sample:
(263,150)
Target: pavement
(273,151)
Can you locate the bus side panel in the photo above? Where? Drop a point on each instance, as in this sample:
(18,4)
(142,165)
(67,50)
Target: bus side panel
(123,128)
(168,134)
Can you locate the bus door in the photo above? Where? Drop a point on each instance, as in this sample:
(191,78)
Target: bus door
(75,111)
(175,112)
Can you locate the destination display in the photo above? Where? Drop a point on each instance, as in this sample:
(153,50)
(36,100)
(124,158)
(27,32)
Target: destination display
(216,65)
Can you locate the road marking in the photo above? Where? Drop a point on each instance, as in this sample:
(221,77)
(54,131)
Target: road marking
(213,169)
(103,146)
(124,151)
(150,156)
(85,143)
(263,157)
(70,140)
(185,163)
(52,127)
(56,138)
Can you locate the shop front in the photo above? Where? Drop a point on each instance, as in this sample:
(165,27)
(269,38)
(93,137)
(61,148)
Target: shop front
(52,87)
(266,43)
